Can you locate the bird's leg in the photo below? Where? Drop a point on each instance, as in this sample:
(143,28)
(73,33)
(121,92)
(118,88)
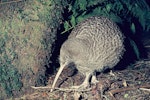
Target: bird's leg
(85,84)
(94,79)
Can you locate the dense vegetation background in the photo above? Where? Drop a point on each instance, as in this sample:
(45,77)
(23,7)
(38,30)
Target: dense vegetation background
(29,30)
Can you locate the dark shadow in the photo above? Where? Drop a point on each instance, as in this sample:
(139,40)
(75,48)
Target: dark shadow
(130,56)
(55,52)
(60,39)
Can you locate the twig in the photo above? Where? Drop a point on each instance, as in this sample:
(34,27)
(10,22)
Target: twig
(112,92)
(148,46)
(67,30)
(62,89)
(145,89)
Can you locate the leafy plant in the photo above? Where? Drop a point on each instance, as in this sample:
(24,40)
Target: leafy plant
(117,10)
(135,48)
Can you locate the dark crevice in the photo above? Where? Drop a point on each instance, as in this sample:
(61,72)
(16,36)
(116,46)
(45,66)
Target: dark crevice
(59,40)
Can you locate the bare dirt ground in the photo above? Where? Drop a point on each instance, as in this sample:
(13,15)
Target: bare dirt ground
(128,84)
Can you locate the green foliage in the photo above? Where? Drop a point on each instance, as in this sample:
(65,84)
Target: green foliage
(133,28)
(117,10)
(9,76)
(135,48)
(66,25)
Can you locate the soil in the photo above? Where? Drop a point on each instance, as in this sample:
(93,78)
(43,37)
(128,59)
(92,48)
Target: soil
(129,84)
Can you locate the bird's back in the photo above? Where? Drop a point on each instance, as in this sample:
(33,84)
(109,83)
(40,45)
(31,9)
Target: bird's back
(103,41)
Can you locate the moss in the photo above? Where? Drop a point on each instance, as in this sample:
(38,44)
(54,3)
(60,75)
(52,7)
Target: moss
(10,79)
(9,73)
(28,30)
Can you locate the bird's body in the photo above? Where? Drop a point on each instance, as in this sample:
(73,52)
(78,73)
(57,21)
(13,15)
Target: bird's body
(94,44)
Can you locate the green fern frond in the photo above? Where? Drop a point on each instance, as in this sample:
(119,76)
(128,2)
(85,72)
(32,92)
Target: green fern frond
(82,4)
(135,48)
(117,10)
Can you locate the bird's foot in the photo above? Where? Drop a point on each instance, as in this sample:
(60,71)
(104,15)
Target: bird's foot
(83,86)
(94,80)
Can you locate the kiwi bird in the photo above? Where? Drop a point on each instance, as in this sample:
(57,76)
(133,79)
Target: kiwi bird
(93,45)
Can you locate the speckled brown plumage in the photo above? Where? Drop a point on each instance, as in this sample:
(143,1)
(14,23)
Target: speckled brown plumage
(93,45)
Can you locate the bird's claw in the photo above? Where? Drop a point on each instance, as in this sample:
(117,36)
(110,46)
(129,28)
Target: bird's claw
(81,87)
(94,80)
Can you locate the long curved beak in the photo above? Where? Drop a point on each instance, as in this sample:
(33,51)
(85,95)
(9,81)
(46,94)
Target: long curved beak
(57,76)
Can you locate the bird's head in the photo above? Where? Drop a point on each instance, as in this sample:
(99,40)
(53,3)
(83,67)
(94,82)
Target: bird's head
(64,60)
